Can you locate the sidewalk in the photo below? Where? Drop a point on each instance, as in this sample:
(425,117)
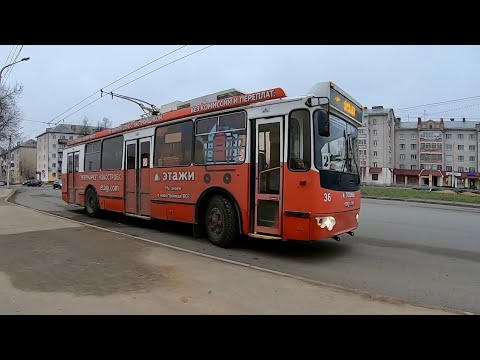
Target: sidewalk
(55,266)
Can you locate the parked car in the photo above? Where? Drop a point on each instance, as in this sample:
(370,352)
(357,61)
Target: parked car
(33,183)
(3,183)
(57,184)
(27,181)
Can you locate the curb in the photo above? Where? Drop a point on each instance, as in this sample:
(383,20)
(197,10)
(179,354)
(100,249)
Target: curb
(9,196)
(470,205)
(372,296)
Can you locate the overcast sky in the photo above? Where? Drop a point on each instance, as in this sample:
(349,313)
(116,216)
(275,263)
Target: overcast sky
(57,77)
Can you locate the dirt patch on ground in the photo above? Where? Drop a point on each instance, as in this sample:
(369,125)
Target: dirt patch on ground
(446,192)
(470,194)
(81,262)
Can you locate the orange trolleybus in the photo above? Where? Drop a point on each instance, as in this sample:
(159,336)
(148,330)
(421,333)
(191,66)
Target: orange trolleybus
(262,164)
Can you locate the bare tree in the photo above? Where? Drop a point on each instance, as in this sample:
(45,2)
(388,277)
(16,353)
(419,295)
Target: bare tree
(85,127)
(104,124)
(10,114)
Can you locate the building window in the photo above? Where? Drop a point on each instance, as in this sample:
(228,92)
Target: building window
(460,157)
(471,147)
(471,136)
(448,168)
(448,157)
(375,177)
(402,156)
(460,136)
(402,146)
(413,157)
(229,133)
(471,169)
(375,164)
(449,147)
(54,146)
(375,143)
(375,154)
(92,156)
(54,174)
(62,137)
(448,136)
(173,144)
(54,165)
(70,137)
(54,156)
(413,167)
(402,166)
(402,137)
(413,146)
(362,142)
(460,147)
(298,141)
(460,169)
(471,158)
(374,132)
(54,137)
(374,121)
(112,153)
(413,136)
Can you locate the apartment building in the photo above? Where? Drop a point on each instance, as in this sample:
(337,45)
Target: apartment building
(376,146)
(437,153)
(50,146)
(22,162)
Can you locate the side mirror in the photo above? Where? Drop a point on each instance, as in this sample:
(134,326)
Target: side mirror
(323,122)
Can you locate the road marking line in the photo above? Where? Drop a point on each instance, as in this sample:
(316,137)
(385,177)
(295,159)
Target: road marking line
(372,296)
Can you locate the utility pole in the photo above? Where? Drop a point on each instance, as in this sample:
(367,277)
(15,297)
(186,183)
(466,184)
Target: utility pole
(9,162)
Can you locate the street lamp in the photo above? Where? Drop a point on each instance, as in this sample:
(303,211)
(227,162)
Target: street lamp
(6,66)
(10,139)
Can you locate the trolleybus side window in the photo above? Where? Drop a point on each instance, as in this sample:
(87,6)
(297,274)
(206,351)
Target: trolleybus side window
(112,153)
(92,156)
(221,139)
(299,156)
(173,144)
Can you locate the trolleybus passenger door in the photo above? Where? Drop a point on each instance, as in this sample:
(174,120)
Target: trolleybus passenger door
(144,176)
(72,170)
(131,202)
(268,176)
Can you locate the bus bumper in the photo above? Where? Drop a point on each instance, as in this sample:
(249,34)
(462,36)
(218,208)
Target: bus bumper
(324,226)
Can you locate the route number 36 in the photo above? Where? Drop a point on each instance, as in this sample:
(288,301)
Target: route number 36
(327,197)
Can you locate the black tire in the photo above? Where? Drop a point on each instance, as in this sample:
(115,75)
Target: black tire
(91,203)
(221,223)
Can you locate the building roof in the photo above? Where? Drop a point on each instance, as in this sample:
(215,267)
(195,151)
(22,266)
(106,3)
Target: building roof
(68,129)
(460,125)
(378,111)
(450,125)
(30,143)
(407,125)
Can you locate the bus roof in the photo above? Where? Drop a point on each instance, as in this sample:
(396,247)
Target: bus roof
(204,108)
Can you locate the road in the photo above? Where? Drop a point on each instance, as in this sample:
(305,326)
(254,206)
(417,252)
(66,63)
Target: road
(427,254)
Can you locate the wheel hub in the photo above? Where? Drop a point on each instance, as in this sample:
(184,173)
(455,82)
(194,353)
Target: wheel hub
(216,221)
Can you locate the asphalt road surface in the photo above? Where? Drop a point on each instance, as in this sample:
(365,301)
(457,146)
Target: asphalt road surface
(427,254)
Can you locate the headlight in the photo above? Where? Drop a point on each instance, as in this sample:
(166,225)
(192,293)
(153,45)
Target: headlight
(326,222)
(358,217)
